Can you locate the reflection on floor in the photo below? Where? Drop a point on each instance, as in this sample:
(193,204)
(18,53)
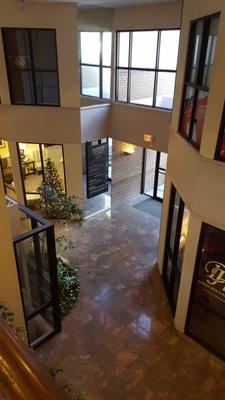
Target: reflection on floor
(120,342)
(150,206)
(96,204)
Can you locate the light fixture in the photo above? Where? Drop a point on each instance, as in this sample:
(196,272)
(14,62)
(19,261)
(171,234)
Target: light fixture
(148,137)
(129,150)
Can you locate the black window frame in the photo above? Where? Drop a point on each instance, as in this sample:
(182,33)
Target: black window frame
(101,66)
(220,137)
(33,70)
(193,300)
(196,85)
(158,170)
(42,166)
(172,254)
(129,68)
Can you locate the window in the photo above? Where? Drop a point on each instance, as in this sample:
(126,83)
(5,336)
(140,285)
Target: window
(32,158)
(206,316)
(202,45)
(175,246)
(153,173)
(146,67)
(220,148)
(31,60)
(95,65)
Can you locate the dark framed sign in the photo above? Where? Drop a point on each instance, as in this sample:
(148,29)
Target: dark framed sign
(220,147)
(97,162)
(206,314)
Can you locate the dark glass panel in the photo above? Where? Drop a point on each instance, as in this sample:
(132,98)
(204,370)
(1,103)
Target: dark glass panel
(199,117)
(44,49)
(195,51)
(22,89)
(47,88)
(210,53)
(17,48)
(187,110)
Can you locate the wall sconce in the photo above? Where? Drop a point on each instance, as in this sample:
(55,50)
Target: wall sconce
(149,137)
(129,150)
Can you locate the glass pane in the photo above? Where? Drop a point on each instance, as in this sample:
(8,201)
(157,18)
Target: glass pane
(142,85)
(208,327)
(6,168)
(30,162)
(54,152)
(33,266)
(168,268)
(169,49)
(123,51)
(90,81)
(106,48)
(150,161)
(22,87)
(211,48)
(90,47)
(44,49)
(144,49)
(183,237)
(41,325)
(17,48)
(161,184)
(187,110)
(165,89)
(47,88)
(106,82)
(174,221)
(122,79)
(199,117)
(195,51)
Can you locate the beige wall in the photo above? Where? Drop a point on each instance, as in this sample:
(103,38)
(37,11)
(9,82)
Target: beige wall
(9,286)
(95,122)
(62,17)
(198,178)
(129,123)
(40,124)
(97,18)
(164,15)
(73,169)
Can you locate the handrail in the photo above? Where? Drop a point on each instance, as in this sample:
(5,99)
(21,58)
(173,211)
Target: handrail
(20,376)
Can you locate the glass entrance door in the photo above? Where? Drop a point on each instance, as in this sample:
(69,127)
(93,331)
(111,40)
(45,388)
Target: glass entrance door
(174,247)
(153,173)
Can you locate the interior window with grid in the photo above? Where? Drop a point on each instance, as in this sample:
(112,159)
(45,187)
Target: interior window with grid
(146,67)
(201,52)
(32,67)
(95,63)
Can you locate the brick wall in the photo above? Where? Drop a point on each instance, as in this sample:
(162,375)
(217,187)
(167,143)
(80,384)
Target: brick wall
(126,173)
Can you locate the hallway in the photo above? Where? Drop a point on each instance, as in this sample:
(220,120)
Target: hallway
(119,343)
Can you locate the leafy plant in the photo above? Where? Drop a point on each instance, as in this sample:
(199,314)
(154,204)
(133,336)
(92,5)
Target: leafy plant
(57,205)
(69,286)
(9,317)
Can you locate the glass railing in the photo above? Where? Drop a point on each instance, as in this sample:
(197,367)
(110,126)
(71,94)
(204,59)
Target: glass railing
(37,273)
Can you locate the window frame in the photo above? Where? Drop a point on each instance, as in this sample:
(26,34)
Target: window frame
(101,66)
(220,137)
(33,70)
(156,70)
(199,72)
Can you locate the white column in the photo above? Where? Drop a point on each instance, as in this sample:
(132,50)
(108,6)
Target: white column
(73,170)
(191,246)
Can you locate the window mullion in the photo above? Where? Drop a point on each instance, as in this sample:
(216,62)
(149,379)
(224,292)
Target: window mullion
(156,68)
(32,66)
(129,66)
(100,66)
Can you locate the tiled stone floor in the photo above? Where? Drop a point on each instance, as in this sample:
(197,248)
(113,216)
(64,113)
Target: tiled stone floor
(120,343)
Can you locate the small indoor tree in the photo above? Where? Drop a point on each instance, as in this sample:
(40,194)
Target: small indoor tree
(57,205)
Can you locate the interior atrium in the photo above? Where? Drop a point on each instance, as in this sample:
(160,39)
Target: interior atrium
(112,197)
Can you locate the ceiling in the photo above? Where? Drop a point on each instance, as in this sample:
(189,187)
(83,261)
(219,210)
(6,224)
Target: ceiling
(107,3)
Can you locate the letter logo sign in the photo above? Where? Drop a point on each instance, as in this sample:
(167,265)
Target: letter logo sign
(215,274)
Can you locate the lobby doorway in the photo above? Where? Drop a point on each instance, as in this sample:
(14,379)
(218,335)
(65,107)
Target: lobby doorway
(153,173)
(97,175)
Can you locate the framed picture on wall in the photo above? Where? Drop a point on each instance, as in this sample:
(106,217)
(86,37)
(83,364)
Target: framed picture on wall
(2,143)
